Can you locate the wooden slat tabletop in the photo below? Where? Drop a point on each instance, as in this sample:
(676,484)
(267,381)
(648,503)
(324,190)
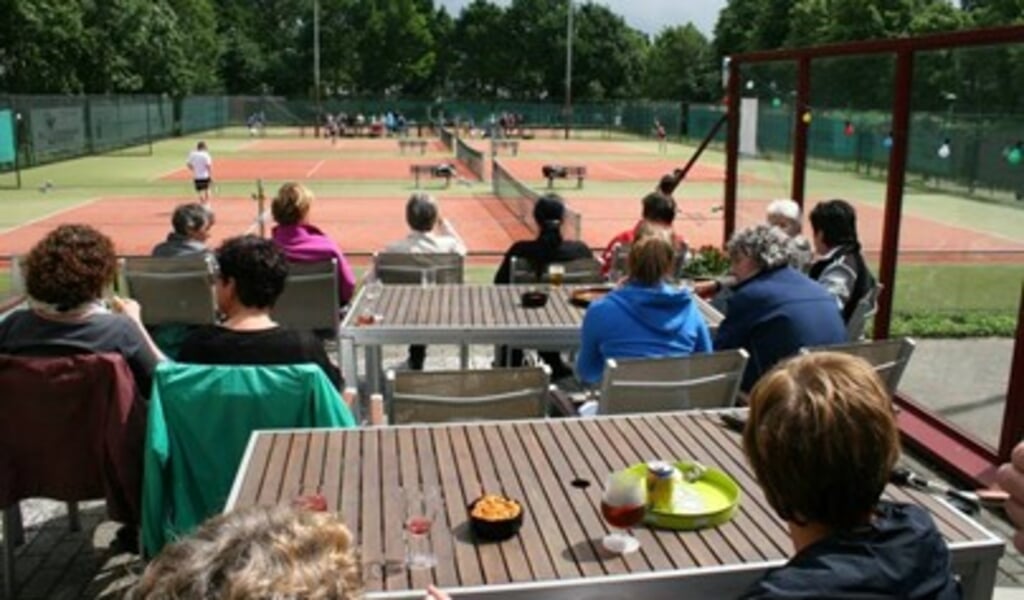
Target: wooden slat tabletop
(361,473)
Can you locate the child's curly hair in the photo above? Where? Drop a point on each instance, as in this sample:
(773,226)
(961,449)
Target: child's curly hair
(258,552)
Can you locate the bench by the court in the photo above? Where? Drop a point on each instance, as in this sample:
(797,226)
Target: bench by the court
(412,144)
(510,145)
(553,172)
(443,170)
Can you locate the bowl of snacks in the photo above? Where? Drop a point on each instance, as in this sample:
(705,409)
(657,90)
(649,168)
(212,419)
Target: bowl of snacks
(494,517)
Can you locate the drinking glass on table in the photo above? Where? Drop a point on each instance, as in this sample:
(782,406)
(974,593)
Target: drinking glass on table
(623,506)
(556,274)
(422,505)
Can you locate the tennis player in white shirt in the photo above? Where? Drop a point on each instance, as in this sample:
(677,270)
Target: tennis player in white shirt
(201,165)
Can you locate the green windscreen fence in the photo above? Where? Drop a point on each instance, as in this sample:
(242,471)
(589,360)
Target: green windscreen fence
(201,113)
(7,145)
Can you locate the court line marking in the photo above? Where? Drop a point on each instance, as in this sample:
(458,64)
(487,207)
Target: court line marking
(315,168)
(165,174)
(50,215)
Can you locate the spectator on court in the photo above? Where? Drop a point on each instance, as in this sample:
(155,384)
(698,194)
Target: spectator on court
(251,276)
(773,310)
(785,214)
(261,552)
(659,210)
(848,542)
(659,131)
(429,234)
(67,274)
(549,247)
(840,266)
(200,163)
(303,242)
(191,223)
(645,317)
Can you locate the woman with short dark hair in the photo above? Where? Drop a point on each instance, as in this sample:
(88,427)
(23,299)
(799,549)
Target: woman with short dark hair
(251,276)
(67,274)
(840,267)
(645,318)
(191,223)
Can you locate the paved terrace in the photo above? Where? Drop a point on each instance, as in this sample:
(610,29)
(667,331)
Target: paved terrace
(57,564)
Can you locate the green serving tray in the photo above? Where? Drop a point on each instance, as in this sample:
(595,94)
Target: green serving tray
(714,498)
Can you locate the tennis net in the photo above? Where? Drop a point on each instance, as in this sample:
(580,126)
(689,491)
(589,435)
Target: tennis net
(447,138)
(519,200)
(471,157)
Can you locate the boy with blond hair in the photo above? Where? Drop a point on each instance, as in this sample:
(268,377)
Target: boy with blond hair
(822,440)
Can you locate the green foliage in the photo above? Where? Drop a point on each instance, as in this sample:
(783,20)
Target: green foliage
(680,66)
(708,261)
(930,324)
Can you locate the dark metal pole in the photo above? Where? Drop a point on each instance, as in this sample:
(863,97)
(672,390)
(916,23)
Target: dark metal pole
(894,189)
(680,174)
(800,127)
(732,145)
(568,72)
(1013,413)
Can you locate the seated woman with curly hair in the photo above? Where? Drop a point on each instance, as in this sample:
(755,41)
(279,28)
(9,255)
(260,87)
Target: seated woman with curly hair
(66,274)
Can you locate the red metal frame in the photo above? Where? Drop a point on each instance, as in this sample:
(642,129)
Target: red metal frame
(929,433)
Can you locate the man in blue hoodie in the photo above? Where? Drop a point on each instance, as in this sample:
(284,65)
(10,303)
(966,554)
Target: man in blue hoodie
(647,317)
(822,440)
(774,310)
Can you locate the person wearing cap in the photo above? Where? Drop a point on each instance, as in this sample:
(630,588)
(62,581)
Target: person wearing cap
(659,210)
(785,214)
(549,247)
(191,223)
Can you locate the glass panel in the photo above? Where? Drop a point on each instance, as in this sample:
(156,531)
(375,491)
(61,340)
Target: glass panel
(961,260)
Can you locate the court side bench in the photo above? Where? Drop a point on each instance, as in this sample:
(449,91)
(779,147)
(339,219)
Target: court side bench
(553,172)
(510,145)
(443,170)
(407,144)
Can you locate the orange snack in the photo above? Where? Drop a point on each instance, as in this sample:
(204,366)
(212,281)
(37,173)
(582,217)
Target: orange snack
(491,507)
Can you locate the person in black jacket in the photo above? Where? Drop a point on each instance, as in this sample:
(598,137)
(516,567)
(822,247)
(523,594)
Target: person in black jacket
(822,440)
(840,265)
(549,247)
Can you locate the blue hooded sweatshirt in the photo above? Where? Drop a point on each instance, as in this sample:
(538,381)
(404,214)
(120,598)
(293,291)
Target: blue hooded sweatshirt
(638,321)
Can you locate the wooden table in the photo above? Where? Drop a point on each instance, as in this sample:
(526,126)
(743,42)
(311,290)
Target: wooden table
(462,315)
(557,554)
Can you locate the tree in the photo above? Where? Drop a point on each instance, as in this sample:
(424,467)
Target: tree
(42,47)
(479,65)
(396,48)
(609,56)
(681,66)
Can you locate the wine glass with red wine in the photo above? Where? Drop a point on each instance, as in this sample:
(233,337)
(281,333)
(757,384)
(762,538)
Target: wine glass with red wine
(623,506)
(421,508)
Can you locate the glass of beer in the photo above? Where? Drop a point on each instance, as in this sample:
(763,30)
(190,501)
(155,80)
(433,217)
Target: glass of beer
(623,506)
(556,274)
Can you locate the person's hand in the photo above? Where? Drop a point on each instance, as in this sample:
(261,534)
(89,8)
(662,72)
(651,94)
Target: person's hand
(706,289)
(435,594)
(128,307)
(1011,478)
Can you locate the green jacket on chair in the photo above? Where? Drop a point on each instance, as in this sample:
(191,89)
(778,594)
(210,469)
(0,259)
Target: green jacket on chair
(200,421)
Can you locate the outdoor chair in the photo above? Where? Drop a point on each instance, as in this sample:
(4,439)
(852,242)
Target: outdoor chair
(577,271)
(888,357)
(698,381)
(200,420)
(172,291)
(469,395)
(310,297)
(72,429)
(865,309)
(423,269)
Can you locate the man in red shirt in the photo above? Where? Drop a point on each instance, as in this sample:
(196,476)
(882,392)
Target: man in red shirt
(659,210)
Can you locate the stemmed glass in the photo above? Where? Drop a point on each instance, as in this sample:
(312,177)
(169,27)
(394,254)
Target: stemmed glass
(372,290)
(421,508)
(623,505)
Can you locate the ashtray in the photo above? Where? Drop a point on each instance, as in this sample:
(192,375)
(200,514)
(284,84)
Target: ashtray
(534,299)
(495,518)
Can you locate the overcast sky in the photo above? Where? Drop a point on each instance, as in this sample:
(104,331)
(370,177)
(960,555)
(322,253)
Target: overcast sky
(649,16)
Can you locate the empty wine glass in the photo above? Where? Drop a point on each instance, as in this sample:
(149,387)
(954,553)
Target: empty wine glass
(421,509)
(623,505)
